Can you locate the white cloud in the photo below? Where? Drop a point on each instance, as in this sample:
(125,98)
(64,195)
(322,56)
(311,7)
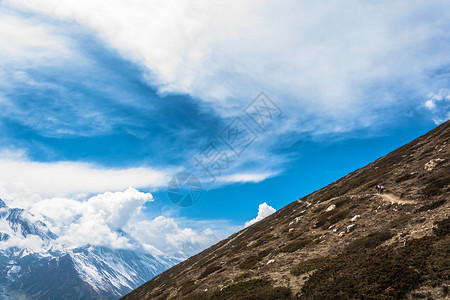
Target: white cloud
(70,178)
(430,104)
(117,220)
(264,210)
(246,177)
(439,105)
(329,62)
(165,234)
(24,41)
(96,221)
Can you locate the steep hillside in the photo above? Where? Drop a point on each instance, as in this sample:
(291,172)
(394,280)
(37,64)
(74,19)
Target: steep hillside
(342,241)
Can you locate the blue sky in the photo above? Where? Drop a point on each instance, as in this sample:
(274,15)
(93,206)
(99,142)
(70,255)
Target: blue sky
(96,98)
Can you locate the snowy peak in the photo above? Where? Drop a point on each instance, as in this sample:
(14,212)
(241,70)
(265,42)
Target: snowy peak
(20,224)
(116,271)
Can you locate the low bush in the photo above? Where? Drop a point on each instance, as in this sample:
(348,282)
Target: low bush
(264,239)
(371,241)
(432,205)
(209,270)
(298,244)
(188,287)
(442,228)
(264,253)
(381,273)
(406,177)
(242,276)
(251,261)
(252,289)
(309,265)
(436,186)
(439,263)
(363,271)
(342,202)
(337,217)
(328,218)
(397,222)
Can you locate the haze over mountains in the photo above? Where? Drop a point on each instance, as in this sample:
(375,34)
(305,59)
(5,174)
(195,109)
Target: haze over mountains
(343,241)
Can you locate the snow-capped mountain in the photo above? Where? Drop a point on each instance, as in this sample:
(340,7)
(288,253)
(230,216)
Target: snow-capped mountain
(33,265)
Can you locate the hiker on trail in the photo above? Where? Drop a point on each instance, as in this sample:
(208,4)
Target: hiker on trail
(378,188)
(381,189)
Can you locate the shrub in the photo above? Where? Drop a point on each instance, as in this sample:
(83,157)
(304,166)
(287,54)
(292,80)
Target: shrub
(294,246)
(197,296)
(439,262)
(405,177)
(371,241)
(309,265)
(443,227)
(264,239)
(342,202)
(373,273)
(435,187)
(249,263)
(432,205)
(264,253)
(252,289)
(337,217)
(402,220)
(328,218)
(188,287)
(242,276)
(209,270)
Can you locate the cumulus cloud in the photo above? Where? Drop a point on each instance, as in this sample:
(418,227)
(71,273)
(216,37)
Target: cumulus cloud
(165,234)
(321,61)
(96,221)
(117,220)
(264,210)
(439,105)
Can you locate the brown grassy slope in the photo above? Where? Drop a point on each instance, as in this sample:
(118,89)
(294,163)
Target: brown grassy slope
(294,252)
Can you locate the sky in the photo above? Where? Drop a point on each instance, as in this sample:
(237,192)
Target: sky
(180,122)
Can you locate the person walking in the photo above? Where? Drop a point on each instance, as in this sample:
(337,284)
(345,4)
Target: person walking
(381,189)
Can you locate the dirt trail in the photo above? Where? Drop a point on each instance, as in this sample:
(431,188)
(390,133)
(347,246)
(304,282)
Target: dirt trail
(393,198)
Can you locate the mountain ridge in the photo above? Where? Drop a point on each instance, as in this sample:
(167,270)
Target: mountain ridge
(319,246)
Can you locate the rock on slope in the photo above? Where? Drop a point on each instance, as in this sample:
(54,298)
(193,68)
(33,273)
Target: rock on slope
(342,241)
